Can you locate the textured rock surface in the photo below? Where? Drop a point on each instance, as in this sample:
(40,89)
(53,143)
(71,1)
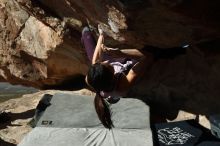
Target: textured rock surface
(34,49)
(40,40)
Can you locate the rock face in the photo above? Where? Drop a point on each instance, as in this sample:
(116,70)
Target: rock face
(40,40)
(40,45)
(34,49)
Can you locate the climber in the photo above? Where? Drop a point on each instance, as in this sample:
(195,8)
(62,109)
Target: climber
(114,71)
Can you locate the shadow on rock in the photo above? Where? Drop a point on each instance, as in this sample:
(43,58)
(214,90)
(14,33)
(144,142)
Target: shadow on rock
(190,83)
(15,116)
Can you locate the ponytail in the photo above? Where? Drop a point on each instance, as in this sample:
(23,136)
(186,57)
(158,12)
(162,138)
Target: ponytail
(103,111)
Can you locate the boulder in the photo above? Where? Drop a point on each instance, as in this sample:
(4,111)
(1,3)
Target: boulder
(40,40)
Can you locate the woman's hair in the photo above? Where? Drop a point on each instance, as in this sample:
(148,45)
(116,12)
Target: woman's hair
(100,78)
(103,111)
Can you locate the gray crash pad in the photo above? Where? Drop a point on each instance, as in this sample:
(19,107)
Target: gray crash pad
(71,120)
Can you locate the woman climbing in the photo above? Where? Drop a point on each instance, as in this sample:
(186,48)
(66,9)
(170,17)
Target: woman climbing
(114,71)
